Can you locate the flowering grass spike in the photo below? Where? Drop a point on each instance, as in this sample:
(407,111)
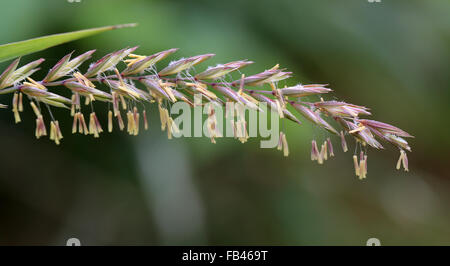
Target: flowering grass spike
(103,81)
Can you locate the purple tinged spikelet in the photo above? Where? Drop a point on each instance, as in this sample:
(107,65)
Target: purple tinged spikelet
(221,70)
(183,64)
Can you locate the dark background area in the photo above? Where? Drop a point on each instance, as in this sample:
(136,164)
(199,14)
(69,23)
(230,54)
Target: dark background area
(393,57)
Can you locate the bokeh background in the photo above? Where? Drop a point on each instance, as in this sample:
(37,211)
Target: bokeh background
(393,56)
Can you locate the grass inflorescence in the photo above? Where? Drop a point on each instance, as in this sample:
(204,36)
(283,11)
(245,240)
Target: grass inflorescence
(175,83)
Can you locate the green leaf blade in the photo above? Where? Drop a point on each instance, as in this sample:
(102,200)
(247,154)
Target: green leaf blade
(16,49)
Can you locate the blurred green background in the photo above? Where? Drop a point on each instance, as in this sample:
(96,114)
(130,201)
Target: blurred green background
(392,56)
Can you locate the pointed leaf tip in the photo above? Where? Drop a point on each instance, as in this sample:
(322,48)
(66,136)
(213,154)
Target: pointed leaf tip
(16,49)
